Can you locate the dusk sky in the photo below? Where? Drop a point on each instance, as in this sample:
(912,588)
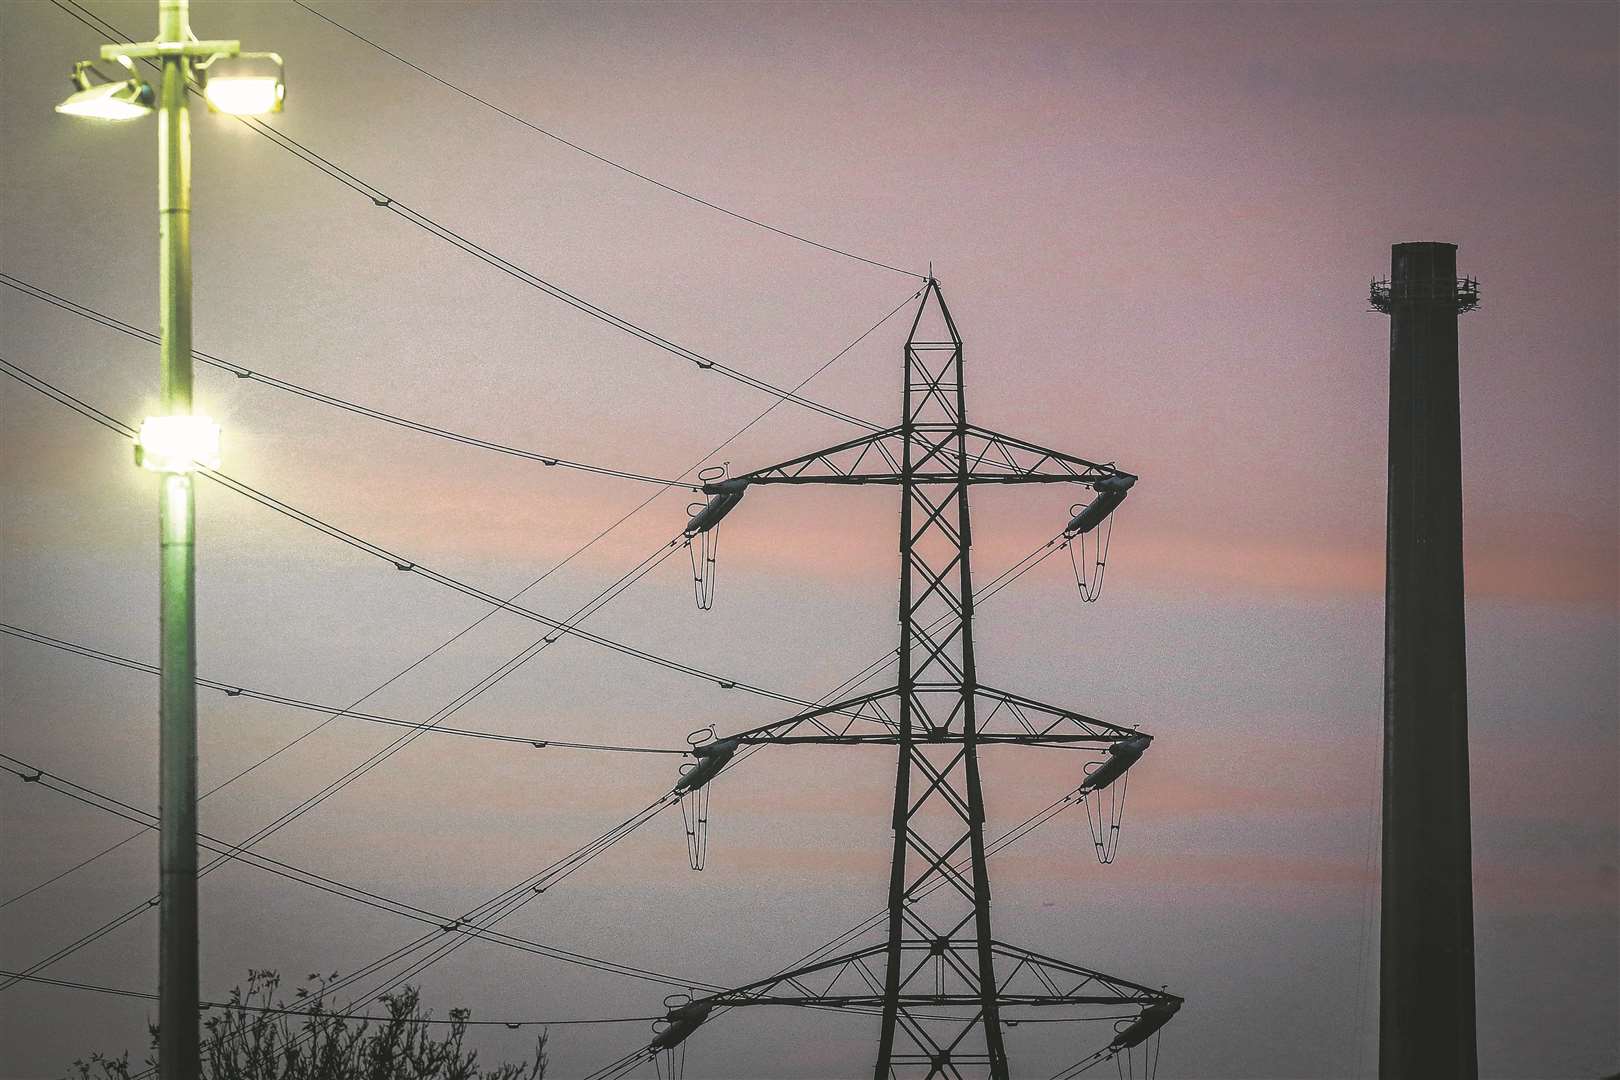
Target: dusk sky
(1155,225)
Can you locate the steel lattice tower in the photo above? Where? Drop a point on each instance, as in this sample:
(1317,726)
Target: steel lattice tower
(939,976)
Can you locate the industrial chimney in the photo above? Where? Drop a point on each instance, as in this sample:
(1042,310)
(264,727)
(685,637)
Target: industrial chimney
(1426,999)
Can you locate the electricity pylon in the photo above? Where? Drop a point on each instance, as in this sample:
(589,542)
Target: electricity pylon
(939,960)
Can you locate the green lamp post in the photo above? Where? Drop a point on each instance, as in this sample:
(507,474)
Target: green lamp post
(174,445)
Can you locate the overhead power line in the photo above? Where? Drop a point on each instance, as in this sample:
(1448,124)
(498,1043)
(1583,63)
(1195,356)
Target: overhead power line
(1007,577)
(434,945)
(33,774)
(1004,840)
(113,323)
(280,1010)
(399,561)
(522,893)
(229,690)
(625,1064)
(532,126)
(518,895)
(332,787)
(506,668)
(126,431)
(422,222)
(498,908)
(279,699)
(431,947)
(465,928)
(450,236)
(834,358)
(990,589)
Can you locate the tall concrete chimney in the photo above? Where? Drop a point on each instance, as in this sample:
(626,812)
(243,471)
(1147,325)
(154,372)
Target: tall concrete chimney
(1426,993)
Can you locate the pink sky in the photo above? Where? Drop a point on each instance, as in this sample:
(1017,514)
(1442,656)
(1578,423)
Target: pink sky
(1154,223)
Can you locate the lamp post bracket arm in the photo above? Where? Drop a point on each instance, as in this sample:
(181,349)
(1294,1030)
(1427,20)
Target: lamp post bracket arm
(148,50)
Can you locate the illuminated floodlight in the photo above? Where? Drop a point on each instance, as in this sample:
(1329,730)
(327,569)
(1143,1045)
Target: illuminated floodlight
(177,444)
(247,84)
(106,100)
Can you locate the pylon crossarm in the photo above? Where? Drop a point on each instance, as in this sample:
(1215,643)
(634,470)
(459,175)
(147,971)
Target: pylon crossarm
(834,969)
(1006,720)
(845,981)
(1054,975)
(797,986)
(1004,717)
(867,1001)
(991,458)
(853,720)
(992,454)
(875,455)
(875,738)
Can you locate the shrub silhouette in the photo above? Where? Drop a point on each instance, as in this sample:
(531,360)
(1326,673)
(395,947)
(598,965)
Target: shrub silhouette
(256,1036)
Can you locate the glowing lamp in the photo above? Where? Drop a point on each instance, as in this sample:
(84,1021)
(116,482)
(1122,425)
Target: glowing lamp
(173,444)
(124,100)
(247,84)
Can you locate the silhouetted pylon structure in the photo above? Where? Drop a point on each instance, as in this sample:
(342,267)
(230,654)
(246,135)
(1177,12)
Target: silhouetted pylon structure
(939,977)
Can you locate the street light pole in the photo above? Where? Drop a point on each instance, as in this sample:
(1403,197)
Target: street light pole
(179,1055)
(174,445)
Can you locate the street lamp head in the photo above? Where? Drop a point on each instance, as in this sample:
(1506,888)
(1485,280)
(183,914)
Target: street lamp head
(247,84)
(177,444)
(106,100)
